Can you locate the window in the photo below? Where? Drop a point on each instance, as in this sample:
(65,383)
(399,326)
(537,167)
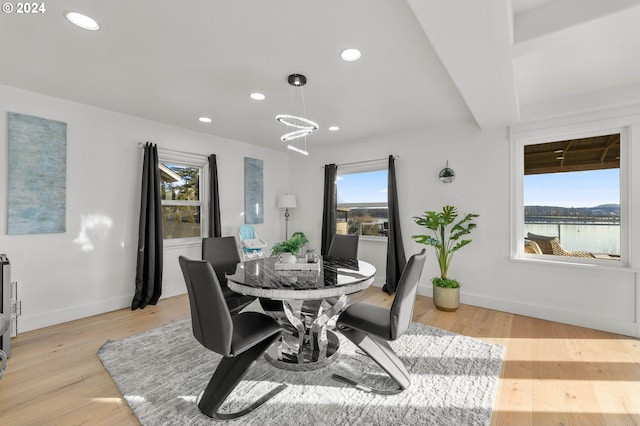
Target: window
(362,203)
(571,198)
(182,201)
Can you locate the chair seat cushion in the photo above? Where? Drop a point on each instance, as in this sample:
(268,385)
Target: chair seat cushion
(368,318)
(249,328)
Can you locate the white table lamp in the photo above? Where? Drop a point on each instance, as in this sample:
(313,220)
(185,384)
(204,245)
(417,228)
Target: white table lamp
(286,202)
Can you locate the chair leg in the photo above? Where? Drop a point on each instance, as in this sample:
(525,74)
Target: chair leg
(229,373)
(380,351)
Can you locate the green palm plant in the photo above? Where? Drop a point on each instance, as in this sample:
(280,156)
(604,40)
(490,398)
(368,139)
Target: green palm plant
(445,238)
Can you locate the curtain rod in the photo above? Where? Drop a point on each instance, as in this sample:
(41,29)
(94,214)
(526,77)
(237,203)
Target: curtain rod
(141,145)
(366,161)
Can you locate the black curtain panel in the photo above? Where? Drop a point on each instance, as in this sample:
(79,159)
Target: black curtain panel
(215,229)
(149,262)
(329,207)
(396,259)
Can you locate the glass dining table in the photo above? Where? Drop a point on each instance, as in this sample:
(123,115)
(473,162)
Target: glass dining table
(304,301)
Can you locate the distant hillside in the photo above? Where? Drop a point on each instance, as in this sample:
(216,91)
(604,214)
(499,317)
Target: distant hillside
(603,211)
(379,213)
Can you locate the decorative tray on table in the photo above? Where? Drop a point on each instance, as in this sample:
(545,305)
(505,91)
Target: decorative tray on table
(298,266)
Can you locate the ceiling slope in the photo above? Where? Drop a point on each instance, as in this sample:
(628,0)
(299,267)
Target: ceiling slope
(473,41)
(518,61)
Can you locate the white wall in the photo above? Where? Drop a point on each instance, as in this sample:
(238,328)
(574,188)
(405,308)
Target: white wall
(90,268)
(592,297)
(71,275)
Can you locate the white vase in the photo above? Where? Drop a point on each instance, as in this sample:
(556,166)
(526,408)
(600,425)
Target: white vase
(287,257)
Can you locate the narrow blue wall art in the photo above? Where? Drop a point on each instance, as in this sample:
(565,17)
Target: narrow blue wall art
(37,193)
(253,191)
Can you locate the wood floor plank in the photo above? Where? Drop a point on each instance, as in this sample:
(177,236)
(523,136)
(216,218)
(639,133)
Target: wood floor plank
(552,373)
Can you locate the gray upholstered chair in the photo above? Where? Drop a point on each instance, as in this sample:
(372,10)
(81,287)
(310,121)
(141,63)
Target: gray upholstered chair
(241,339)
(222,253)
(371,327)
(344,246)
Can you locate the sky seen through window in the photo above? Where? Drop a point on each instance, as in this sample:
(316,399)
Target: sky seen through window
(573,189)
(369,187)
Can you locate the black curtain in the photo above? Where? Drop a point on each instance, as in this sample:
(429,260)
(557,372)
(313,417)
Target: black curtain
(149,261)
(329,207)
(215,229)
(396,259)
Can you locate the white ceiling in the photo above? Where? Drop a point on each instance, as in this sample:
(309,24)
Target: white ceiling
(424,62)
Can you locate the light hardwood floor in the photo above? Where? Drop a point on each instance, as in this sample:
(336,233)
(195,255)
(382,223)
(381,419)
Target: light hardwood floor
(552,374)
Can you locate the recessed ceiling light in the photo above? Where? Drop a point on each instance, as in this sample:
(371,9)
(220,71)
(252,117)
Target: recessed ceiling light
(82,21)
(334,128)
(350,55)
(257,96)
(205,119)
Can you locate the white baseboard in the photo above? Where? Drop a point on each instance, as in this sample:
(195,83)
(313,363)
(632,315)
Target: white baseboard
(551,313)
(578,318)
(173,290)
(425,290)
(46,319)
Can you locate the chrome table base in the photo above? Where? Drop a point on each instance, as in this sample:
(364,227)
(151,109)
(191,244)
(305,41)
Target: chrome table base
(307,344)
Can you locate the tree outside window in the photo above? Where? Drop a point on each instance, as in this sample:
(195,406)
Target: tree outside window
(181,204)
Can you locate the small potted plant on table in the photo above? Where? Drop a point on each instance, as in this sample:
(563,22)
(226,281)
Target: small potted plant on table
(445,239)
(288,250)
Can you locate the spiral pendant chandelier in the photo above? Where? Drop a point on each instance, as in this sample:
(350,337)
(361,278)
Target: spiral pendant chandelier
(299,127)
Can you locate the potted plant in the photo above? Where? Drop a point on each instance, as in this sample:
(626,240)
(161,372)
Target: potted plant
(446,240)
(288,250)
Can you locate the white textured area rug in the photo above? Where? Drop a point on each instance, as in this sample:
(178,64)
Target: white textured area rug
(454,380)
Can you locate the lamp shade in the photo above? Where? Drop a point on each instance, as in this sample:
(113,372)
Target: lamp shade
(287,201)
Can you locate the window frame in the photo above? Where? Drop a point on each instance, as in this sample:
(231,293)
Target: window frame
(365,167)
(202,163)
(518,142)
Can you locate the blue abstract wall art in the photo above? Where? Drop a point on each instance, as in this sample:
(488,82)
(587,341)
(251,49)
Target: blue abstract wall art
(253,191)
(37,193)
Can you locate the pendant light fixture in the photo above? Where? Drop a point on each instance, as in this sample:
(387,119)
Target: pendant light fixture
(300,127)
